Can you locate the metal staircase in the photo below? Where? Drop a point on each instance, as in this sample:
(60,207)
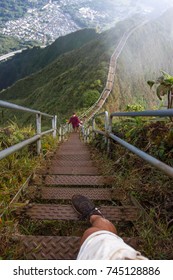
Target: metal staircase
(69,171)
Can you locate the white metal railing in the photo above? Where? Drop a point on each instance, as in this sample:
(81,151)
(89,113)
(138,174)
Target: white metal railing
(39,133)
(108,134)
(63,130)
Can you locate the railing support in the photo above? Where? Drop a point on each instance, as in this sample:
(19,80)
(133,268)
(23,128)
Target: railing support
(109,132)
(93,127)
(106,126)
(60,133)
(39,133)
(38,127)
(54,126)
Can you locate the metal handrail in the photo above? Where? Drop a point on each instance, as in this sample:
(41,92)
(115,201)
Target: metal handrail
(109,135)
(9,105)
(148,113)
(37,137)
(18,146)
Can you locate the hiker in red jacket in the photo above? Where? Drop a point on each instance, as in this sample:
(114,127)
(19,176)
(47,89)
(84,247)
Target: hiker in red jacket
(74,120)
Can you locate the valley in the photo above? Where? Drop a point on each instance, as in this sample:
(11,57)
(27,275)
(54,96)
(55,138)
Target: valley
(54,18)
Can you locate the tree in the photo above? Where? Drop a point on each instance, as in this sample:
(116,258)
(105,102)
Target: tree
(164,87)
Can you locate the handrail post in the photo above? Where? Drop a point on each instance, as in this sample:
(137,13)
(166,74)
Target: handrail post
(38,127)
(93,127)
(106,126)
(88,133)
(109,131)
(60,133)
(54,126)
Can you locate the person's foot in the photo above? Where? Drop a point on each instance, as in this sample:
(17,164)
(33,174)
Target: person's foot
(84,206)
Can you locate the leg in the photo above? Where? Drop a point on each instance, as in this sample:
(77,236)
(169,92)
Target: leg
(87,209)
(98,223)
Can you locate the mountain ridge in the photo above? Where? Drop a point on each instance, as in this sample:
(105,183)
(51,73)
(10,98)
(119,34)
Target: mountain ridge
(74,81)
(36,58)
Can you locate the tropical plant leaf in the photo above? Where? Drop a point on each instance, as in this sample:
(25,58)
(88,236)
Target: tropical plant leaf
(161,91)
(151,83)
(167,77)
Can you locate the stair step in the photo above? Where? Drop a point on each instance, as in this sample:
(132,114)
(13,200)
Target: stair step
(56,247)
(55,170)
(72,180)
(76,180)
(50,247)
(70,148)
(70,163)
(66,212)
(73,170)
(67,193)
(75,157)
(73,153)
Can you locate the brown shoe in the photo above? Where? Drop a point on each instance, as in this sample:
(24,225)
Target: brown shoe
(84,206)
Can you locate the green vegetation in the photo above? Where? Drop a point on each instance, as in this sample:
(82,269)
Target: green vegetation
(36,58)
(11,9)
(18,166)
(164,87)
(64,84)
(9,44)
(138,179)
(62,77)
(14,171)
(147,51)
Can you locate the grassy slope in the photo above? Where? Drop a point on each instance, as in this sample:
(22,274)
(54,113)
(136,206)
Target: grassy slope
(65,84)
(34,59)
(137,178)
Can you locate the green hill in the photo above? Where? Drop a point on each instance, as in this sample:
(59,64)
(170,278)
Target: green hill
(34,59)
(72,81)
(75,79)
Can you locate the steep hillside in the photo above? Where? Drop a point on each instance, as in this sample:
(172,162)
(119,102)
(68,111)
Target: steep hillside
(75,80)
(147,51)
(9,44)
(71,82)
(34,59)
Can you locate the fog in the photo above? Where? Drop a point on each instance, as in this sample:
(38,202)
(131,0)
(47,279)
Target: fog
(156,4)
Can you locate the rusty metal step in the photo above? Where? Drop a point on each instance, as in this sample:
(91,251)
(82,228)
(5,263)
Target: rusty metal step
(67,193)
(72,180)
(74,148)
(69,170)
(70,163)
(75,157)
(50,247)
(81,170)
(56,247)
(66,212)
(77,180)
(73,152)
